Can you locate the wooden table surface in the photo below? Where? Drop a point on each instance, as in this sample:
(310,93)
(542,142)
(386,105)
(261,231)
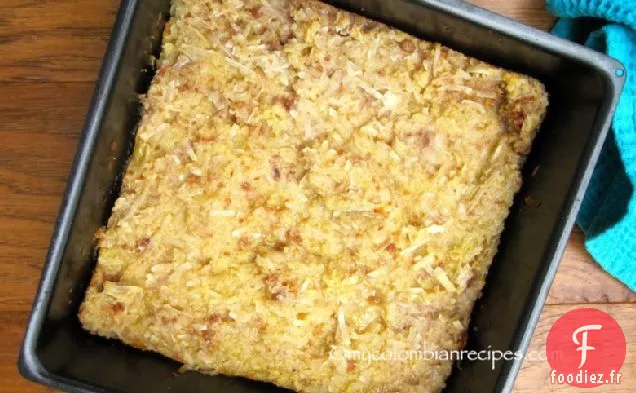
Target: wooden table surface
(50,54)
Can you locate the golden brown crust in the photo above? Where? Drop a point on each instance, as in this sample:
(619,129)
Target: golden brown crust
(307,182)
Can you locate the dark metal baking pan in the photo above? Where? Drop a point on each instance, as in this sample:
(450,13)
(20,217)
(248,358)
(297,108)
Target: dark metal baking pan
(583,86)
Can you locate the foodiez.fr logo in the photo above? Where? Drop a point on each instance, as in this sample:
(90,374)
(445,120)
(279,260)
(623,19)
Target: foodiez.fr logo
(586,348)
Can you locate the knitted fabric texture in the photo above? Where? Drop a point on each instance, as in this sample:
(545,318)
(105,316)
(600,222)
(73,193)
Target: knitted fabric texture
(608,213)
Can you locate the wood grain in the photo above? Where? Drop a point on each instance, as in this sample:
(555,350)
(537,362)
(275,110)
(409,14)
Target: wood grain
(51,54)
(581,280)
(531,12)
(54,40)
(36,155)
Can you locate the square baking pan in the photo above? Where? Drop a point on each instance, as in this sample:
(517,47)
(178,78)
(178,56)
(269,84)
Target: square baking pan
(584,87)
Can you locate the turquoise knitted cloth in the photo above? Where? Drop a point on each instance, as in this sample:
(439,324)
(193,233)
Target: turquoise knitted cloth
(608,213)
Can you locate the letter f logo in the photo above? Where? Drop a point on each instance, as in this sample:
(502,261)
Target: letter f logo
(583,344)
